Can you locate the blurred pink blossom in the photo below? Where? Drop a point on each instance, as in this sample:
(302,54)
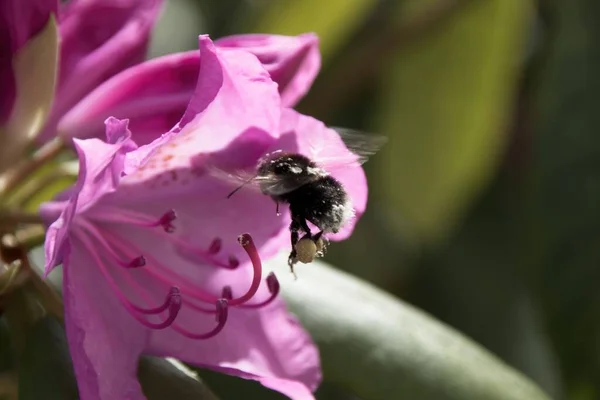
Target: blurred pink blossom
(153,95)
(98,39)
(20,21)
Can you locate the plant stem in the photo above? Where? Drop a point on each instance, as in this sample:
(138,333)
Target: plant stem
(21,197)
(15,175)
(15,217)
(31,237)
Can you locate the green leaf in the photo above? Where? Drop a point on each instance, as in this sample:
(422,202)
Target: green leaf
(333,20)
(232,387)
(444,104)
(475,282)
(6,353)
(45,369)
(161,379)
(377,347)
(565,201)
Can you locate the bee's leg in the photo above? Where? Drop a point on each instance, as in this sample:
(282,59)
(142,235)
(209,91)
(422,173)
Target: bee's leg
(305,227)
(277,208)
(318,236)
(294,227)
(291,262)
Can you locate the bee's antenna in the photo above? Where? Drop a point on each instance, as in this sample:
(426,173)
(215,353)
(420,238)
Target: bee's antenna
(241,186)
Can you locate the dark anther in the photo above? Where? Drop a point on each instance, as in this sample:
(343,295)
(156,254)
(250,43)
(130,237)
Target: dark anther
(233,262)
(215,246)
(273,286)
(166,221)
(137,262)
(227,293)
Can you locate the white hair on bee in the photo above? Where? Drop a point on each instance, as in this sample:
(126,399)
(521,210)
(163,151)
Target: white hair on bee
(343,212)
(316,171)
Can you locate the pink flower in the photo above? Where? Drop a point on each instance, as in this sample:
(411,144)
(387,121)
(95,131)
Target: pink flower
(153,95)
(98,39)
(20,21)
(149,245)
(28,59)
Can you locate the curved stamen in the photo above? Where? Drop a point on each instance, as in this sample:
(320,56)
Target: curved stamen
(194,292)
(204,297)
(174,308)
(171,296)
(274,287)
(173,302)
(215,246)
(106,214)
(222,313)
(248,244)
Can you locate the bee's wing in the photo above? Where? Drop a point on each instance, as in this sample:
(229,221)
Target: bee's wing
(276,185)
(271,184)
(237,178)
(361,146)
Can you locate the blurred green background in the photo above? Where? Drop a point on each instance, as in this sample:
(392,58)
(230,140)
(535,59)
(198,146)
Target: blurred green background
(484,207)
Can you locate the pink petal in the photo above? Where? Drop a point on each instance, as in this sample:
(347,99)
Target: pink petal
(268,345)
(105,342)
(99,38)
(20,20)
(200,201)
(264,343)
(235,80)
(100,166)
(224,109)
(292,61)
(152,95)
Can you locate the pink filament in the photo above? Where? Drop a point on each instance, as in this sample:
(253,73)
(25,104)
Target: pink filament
(166,221)
(274,287)
(222,313)
(194,292)
(173,302)
(248,244)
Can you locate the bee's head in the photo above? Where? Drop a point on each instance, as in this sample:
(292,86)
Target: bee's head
(284,164)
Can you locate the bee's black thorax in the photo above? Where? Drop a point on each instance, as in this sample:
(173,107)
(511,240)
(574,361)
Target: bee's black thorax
(286,165)
(321,202)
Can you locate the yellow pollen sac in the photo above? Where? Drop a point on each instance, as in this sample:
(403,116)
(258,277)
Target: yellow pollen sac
(306,250)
